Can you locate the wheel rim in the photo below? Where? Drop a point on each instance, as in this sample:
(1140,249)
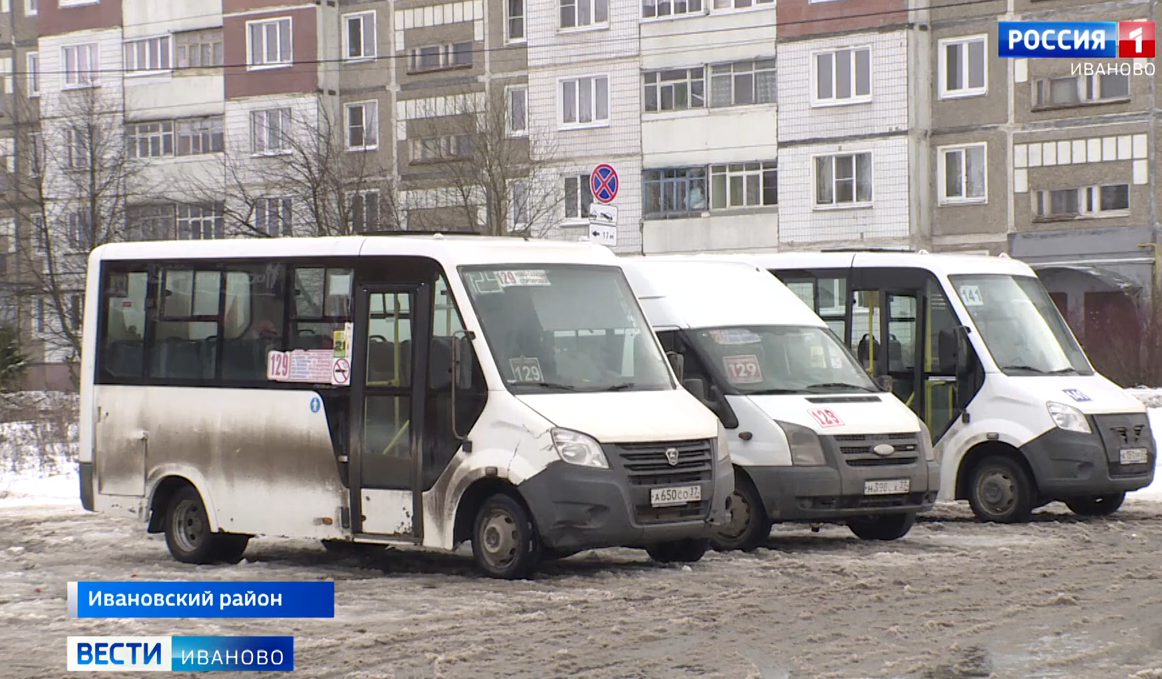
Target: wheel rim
(740,511)
(996,491)
(499,538)
(190,528)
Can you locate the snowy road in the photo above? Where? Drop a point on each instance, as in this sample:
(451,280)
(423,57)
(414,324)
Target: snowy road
(1058,597)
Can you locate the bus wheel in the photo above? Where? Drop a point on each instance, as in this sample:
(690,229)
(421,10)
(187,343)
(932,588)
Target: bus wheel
(678,551)
(505,543)
(1000,492)
(230,547)
(1096,505)
(187,529)
(888,527)
(749,527)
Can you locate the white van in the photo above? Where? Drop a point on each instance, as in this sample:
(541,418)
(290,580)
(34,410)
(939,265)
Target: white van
(812,437)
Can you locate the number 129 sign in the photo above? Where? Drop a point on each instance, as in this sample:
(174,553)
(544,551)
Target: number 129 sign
(743,369)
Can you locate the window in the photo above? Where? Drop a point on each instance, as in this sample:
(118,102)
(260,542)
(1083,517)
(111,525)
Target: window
(200,222)
(963,66)
(443,147)
(78,232)
(199,49)
(520,204)
(518,110)
(677,192)
(1107,86)
(1089,201)
(149,140)
(270,130)
(150,222)
(39,233)
(843,179)
(363,126)
(41,324)
(1056,92)
(359,36)
(584,101)
(36,154)
(962,174)
(80,63)
(739,185)
(272,216)
(77,148)
(578,196)
(843,76)
(74,3)
(515,23)
(32,72)
(30,8)
(743,83)
(441,57)
(76,310)
(675,90)
(268,43)
(321,305)
(363,211)
(740,4)
(582,13)
(659,9)
(197,136)
(150,54)
(1109,198)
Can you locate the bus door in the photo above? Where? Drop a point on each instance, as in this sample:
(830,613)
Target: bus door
(389,352)
(889,331)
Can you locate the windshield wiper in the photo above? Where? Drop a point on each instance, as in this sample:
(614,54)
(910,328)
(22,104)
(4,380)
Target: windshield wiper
(837,385)
(1064,371)
(1026,368)
(772,392)
(547,385)
(618,387)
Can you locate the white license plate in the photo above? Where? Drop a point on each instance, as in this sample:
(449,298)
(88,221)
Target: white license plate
(887,487)
(675,495)
(1133,456)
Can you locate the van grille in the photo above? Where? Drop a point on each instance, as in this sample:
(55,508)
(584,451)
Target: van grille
(857,449)
(646,466)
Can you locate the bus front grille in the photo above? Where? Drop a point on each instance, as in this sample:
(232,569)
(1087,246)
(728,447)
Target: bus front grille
(859,449)
(646,464)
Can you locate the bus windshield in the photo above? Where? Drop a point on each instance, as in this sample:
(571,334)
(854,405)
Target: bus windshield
(776,359)
(565,327)
(1020,325)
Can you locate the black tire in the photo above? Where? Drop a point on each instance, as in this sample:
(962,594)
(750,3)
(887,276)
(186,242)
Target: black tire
(885,527)
(999,491)
(505,543)
(187,529)
(230,547)
(678,551)
(749,527)
(1096,505)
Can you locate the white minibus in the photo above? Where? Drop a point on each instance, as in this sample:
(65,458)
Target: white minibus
(813,439)
(975,345)
(390,389)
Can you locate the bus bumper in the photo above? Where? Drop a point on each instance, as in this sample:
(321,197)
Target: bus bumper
(830,494)
(578,508)
(1071,464)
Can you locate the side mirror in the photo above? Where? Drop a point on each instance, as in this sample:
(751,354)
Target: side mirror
(463,364)
(678,363)
(886,382)
(953,351)
(696,387)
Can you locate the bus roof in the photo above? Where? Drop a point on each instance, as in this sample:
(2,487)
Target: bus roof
(689,293)
(938,263)
(450,249)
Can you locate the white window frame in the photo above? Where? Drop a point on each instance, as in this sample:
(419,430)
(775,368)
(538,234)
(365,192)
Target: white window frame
(731,172)
(594,121)
(510,128)
(251,64)
(370,47)
(196,39)
(36,155)
(509,18)
(447,147)
(32,71)
(283,211)
(202,128)
(447,53)
(1092,194)
(518,204)
(855,98)
(751,67)
(961,43)
(286,118)
(76,149)
(660,85)
(164,53)
(76,3)
(1091,90)
(593,24)
(942,174)
(370,141)
(83,77)
(584,187)
(201,216)
(694,8)
(31,7)
(163,134)
(719,6)
(855,203)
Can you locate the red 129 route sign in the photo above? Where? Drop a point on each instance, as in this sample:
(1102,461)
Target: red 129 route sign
(603,182)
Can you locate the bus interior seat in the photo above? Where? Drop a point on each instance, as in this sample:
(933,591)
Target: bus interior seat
(863,351)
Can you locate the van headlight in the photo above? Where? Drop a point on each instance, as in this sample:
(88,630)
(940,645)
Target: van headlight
(806,448)
(1068,418)
(722,445)
(926,441)
(577,448)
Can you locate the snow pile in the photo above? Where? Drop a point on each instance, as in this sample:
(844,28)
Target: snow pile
(38,448)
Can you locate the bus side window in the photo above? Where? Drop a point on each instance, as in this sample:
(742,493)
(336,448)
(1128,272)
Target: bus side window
(321,306)
(122,345)
(253,316)
(185,332)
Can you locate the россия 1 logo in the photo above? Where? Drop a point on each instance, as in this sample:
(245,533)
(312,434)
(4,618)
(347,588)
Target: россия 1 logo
(1075,39)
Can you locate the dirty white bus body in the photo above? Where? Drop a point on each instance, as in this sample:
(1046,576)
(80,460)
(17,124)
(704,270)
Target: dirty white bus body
(976,346)
(812,437)
(389,389)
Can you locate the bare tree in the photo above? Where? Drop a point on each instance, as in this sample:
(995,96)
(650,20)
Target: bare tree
(1125,343)
(492,165)
(302,178)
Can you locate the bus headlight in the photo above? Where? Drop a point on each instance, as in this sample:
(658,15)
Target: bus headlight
(806,449)
(1068,418)
(723,446)
(579,449)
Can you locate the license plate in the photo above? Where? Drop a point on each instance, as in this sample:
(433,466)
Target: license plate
(887,487)
(676,495)
(1133,456)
